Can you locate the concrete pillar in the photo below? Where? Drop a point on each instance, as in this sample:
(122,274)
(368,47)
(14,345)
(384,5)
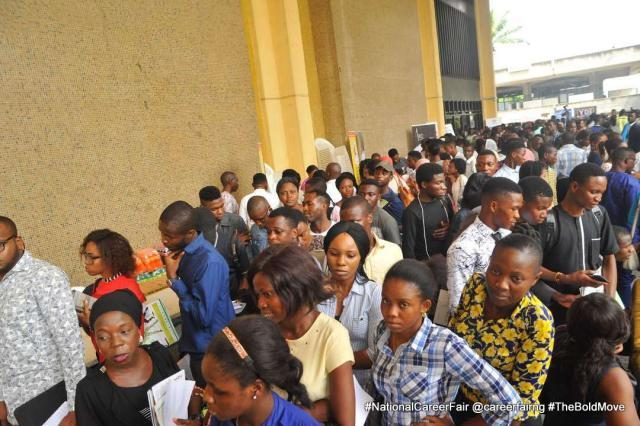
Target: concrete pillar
(485,59)
(285,81)
(431,62)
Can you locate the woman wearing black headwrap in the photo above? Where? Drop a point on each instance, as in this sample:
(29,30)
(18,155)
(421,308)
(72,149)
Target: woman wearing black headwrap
(117,394)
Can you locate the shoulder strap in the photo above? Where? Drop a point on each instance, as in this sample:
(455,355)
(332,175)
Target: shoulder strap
(551,232)
(597,215)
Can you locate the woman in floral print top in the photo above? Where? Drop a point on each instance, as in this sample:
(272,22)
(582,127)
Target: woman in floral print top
(506,324)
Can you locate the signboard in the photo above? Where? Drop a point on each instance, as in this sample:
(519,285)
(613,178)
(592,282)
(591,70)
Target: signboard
(584,111)
(421,132)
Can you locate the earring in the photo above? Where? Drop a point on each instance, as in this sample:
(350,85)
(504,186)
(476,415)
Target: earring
(141,340)
(255,396)
(424,315)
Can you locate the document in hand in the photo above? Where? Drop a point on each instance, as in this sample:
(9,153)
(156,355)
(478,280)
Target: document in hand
(158,326)
(79,297)
(169,399)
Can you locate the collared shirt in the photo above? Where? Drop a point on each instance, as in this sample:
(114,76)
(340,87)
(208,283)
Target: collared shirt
(569,156)
(382,256)
(203,293)
(272,199)
(519,347)
(471,164)
(429,369)
(509,173)
(468,254)
(360,316)
(40,342)
(385,226)
(230,203)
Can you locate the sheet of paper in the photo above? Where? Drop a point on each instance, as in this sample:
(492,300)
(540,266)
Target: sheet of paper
(362,398)
(158,396)
(176,402)
(58,415)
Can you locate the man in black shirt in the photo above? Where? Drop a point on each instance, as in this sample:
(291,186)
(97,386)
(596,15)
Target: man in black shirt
(577,240)
(425,222)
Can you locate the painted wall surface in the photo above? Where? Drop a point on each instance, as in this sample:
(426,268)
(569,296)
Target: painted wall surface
(380,70)
(109,113)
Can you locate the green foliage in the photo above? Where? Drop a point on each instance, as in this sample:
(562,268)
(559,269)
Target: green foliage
(502,32)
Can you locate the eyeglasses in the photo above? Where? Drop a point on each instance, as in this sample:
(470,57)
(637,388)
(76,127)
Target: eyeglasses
(89,259)
(4,243)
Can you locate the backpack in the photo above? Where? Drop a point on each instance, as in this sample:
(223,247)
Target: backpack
(550,229)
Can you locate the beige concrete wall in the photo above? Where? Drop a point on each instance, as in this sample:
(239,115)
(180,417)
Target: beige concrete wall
(380,70)
(111,110)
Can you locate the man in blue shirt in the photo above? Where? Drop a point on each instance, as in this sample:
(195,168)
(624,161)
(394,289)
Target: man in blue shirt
(199,276)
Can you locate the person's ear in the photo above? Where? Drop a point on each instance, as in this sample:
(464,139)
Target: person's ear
(425,307)
(20,243)
(493,206)
(370,218)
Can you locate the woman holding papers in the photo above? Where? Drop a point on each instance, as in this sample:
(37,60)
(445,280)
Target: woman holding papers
(241,365)
(116,395)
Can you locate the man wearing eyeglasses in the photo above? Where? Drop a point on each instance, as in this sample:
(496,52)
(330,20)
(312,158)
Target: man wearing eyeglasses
(40,344)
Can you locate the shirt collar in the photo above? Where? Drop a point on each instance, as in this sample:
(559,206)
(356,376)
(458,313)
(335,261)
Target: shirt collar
(23,265)
(419,340)
(358,284)
(482,227)
(194,245)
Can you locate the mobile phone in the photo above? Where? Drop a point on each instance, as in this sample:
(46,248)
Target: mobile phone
(599,278)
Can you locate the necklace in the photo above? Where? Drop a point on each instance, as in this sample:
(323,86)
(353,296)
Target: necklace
(111,278)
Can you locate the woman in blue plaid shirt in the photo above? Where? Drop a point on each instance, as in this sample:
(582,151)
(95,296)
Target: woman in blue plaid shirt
(420,365)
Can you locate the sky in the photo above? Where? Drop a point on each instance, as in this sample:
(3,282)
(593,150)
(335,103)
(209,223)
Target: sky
(560,28)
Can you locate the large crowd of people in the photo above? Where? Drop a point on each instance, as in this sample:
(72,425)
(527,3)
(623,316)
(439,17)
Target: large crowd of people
(483,279)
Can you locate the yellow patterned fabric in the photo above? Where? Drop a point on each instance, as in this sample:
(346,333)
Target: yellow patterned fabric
(519,347)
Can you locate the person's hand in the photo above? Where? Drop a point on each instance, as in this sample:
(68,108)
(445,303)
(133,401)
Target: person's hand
(187,422)
(583,279)
(434,420)
(172,262)
(441,232)
(564,300)
(244,238)
(4,413)
(83,316)
(69,419)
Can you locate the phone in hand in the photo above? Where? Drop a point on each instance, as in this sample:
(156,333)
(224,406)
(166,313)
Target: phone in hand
(599,278)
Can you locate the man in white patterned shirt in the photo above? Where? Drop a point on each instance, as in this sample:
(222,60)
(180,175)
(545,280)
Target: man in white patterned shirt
(470,252)
(40,344)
